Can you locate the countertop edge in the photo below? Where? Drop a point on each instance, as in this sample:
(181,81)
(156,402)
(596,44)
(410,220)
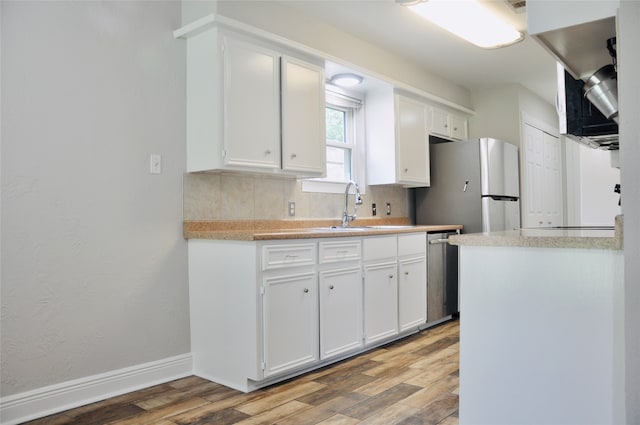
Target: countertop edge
(537,238)
(247,230)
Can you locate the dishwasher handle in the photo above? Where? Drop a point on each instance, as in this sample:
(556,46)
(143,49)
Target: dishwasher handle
(438,241)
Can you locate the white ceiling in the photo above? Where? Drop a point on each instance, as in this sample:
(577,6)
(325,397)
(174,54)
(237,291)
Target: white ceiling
(392,26)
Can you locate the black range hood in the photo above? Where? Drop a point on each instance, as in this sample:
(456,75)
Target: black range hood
(580,120)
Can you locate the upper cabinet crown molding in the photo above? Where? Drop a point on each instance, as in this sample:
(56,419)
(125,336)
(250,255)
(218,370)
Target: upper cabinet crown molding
(216,20)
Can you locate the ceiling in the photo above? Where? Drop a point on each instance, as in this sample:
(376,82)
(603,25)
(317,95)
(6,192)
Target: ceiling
(394,27)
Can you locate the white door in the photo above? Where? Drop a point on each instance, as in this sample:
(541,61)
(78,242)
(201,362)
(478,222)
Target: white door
(340,311)
(541,179)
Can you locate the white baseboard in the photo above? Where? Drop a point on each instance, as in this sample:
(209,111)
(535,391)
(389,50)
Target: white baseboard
(56,398)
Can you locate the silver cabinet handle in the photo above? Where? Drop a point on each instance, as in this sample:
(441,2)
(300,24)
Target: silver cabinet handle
(330,286)
(306,290)
(466,184)
(437,241)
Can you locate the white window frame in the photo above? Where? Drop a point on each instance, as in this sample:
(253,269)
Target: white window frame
(354,106)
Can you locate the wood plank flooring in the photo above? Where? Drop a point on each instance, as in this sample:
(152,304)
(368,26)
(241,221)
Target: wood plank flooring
(409,382)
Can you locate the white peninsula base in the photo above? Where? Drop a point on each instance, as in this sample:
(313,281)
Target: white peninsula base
(541,335)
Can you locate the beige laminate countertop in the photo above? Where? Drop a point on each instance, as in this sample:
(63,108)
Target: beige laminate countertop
(548,238)
(256,230)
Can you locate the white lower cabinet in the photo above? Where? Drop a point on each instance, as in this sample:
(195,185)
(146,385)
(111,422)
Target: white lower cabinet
(265,311)
(412,281)
(290,319)
(380,301)
(340,311)
(412,293)
(380,288)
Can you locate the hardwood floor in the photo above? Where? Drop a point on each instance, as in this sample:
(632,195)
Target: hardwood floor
(408,382)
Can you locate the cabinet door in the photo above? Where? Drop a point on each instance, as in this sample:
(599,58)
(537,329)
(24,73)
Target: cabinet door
(290,312)
(340,311)
(380,301)
(251,92)
(303,117)
(412,142)
(412,292)
(458,128)
(439,122)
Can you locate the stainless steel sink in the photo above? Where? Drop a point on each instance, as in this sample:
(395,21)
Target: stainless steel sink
(391,227)
(356,228)
(340,228)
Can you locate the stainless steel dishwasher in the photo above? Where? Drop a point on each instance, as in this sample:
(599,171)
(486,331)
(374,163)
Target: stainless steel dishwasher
(442,278)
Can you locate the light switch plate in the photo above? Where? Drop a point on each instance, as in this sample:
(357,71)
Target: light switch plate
(155,164)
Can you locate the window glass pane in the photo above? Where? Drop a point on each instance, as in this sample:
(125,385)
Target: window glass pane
(335,120)
(338,164)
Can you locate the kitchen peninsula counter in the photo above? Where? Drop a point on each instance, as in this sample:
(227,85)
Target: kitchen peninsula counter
(541,311)
(255,230)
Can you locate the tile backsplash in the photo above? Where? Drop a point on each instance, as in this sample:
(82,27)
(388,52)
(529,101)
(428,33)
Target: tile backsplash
(252,197)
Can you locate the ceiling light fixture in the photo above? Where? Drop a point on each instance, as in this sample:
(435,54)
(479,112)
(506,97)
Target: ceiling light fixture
(468,19)
(346,80)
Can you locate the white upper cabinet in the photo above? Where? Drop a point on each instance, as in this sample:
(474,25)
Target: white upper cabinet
(252,106)
(303,117)
(397,140)
(447,125)
(251,111)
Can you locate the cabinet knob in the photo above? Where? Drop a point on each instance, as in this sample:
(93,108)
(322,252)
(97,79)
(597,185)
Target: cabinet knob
(446,126)
(455,128)
(330,286)
(306,290)
(267,152)
(293,156)
(390,276)
(406,170)
(406,273)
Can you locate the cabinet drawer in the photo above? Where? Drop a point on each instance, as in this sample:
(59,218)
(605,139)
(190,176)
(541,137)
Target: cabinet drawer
(415,243)
(294,255)
(333,252)
(376,248)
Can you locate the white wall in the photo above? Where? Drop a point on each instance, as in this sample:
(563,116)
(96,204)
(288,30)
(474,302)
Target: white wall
(629,103)
(598,201)
(93,260)
(499,112)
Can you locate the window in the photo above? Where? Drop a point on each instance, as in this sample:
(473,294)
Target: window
(345,145)
(340,143)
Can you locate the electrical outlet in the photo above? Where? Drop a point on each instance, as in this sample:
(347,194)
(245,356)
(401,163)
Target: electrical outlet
(373,210)
(155,164)
(292,208)
(388,208)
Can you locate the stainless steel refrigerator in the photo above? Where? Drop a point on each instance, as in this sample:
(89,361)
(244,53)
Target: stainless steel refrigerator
(474,183)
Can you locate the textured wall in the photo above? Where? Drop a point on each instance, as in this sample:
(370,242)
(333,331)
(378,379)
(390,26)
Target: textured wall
(236,197)
(93,261)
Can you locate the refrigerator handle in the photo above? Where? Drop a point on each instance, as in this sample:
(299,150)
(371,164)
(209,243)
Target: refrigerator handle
(466,183)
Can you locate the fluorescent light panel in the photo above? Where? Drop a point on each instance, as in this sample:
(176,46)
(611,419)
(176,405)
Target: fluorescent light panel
(469,20)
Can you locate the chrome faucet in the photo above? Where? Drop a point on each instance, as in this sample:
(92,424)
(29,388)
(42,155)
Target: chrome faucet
(346,218)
